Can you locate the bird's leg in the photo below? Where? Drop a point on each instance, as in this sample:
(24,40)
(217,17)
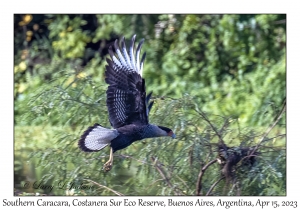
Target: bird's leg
(108,165)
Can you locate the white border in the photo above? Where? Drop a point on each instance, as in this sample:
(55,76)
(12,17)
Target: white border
(154,6)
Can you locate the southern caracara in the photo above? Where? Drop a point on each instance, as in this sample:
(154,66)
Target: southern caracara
(127,103)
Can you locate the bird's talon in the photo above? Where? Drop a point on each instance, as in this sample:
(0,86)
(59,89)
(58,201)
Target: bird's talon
(107,167)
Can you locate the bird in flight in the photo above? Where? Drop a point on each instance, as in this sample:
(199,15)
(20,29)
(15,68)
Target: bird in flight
(127,103)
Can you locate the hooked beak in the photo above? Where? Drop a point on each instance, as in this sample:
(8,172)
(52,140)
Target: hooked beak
(172,134)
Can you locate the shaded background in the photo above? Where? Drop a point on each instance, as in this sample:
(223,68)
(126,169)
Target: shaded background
(231,67)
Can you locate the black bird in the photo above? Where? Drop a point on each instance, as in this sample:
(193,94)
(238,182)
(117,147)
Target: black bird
(127,103)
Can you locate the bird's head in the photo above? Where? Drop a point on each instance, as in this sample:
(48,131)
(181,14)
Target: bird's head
(167,132)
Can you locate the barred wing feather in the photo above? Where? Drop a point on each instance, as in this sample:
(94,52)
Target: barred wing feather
(126,93)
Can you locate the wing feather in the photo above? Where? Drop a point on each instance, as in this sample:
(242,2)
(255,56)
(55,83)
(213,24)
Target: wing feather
(126,56)
(126,94)
(142,63)
(121,58)
(137,54)
(131,55)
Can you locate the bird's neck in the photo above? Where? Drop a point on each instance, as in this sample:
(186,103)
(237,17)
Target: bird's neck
(151,131)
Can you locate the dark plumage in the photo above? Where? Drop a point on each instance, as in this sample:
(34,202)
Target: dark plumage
(127,103)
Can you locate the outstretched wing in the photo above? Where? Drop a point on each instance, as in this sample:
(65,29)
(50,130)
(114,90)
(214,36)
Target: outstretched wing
(126,93)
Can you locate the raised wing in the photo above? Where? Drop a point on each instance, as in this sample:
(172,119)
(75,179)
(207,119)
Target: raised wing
(126,95)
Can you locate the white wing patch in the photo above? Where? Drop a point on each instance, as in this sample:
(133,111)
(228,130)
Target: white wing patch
(124,75)
(131,55)
(116,61)
(126,55)
(128,61)
(123,62)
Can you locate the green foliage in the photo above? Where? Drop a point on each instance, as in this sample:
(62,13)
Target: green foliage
(57,158)
(231,67)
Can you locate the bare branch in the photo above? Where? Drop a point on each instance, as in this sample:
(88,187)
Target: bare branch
(211,125)
(123,156)
(225,125)
(184,182)
(201,173)
(102,186)
(155,182)
(214,185)
(280,135)
(158,167)
(130,157)
(270,128)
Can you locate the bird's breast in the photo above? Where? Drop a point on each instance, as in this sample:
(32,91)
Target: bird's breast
(123,141)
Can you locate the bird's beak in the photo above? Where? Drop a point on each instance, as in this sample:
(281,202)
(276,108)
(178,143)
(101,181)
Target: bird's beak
(172,135)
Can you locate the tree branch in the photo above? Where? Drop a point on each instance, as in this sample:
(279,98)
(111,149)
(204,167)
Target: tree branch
(158,167)
(199,185)
(214,185)
(212,126)
(269,129)
(109,189)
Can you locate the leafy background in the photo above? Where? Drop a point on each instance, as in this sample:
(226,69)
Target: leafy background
(226,72)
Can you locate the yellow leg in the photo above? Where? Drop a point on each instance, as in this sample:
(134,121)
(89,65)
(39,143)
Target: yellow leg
(108,165)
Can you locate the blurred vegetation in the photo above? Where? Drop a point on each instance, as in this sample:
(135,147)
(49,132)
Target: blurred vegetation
(214,78)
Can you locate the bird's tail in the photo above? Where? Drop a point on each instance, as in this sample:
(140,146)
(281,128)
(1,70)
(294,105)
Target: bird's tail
(96,138)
